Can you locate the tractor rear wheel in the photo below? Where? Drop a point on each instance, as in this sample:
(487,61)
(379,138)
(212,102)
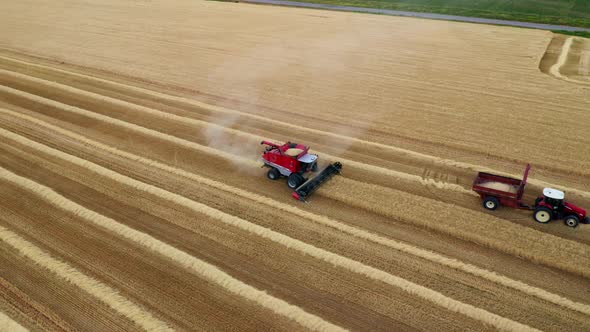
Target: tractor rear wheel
(542,215)
(295,180)
(273,174)
(491,203)
(572,221)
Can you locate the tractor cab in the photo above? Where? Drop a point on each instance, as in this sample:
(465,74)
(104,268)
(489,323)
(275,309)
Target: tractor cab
(553,206)
(552,198)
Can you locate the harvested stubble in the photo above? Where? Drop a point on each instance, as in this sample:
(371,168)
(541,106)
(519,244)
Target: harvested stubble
(43,317)
(400,176)
(101,291)
(191,263)
(461,92)
(403,174)
(9,325)
(182,102)
(58,89)
(216,275)
(57,106)
(575,71)
(466,224)
(360,233)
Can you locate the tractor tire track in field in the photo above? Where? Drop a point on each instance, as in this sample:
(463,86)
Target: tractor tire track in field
(54,115)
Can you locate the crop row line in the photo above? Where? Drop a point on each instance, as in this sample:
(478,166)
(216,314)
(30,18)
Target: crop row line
(334,224)
(214,274)
(475,237)
(398,151)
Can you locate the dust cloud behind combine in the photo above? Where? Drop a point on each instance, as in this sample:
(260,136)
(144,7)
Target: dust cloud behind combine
(246,76)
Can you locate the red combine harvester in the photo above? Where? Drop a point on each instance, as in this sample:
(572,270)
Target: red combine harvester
(496,190)
(293,161)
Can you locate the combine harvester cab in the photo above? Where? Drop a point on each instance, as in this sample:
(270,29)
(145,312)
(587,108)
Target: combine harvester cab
(293,161)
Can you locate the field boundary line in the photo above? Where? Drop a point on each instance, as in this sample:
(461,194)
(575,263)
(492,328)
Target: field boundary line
(303,318)
(323,220)
(10,325)
(94,287)
(204,124)
(215,108)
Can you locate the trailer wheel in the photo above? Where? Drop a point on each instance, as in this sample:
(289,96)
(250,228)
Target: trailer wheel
(295,180)
(491,203)
(572,221)
(542,215)
(273,174)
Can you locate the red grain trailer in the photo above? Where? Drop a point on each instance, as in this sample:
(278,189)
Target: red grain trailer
(496,190)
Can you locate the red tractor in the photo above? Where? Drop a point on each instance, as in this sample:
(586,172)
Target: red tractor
(552,206)
(293,161)
(496,190)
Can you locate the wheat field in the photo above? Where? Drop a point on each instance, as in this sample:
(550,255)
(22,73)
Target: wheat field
(132,198)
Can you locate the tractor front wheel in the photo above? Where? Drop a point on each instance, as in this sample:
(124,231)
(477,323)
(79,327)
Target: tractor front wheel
(572,221)
(542,215)
(295,180)
(273,174)
(491,203)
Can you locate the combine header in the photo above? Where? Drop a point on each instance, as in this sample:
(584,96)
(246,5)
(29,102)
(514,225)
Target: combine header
(311,185)
(293,161)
